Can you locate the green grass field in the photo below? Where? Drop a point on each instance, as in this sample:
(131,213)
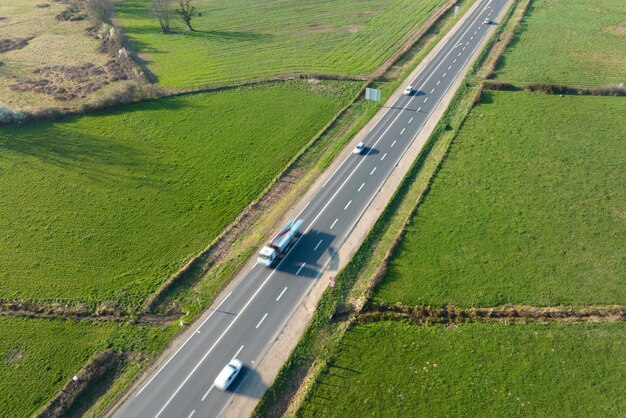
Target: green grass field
(574,42)
(39,356)
(487,370)
(520,212)
(106,207)
(248,39)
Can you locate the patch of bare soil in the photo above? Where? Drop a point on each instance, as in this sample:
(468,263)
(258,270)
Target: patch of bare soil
(353,28)
(9,44)
(320,28)
(73,82)
(13,356)
(621,29)
(369,13)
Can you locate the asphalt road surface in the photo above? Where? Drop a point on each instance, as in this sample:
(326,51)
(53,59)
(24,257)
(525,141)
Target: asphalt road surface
(248,319)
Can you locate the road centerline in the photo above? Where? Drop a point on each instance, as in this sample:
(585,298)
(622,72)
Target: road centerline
(261,321)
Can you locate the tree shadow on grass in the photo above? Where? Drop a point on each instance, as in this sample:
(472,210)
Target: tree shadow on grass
(101,157)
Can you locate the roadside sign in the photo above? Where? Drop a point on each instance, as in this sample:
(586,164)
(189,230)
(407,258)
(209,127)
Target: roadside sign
(372,94)
(332,282)
(456,10)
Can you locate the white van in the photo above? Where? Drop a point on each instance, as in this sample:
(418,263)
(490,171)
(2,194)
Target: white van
(228,374)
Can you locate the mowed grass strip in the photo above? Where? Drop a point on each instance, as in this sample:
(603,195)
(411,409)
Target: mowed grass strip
(522,212)
(487,370)
(38,356)
(107,207)
(573,42)
(249,39)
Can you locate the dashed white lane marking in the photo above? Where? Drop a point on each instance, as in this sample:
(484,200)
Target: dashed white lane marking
(463,49)
(459,54)
(444,74)
(402,131)
(345,208)
(475,32)
(261,321)
(438,81)
(432,91)
(304,264)
(186,341)
(471,38)
(449,67)
(361,187)
(331,227)
(467,43)
(285,289)
(191,415)
(207,393)
(419,108)
(393,143)
(318,245)
(383,157)
(237,353)
(454,60)
(373,171)
(425,100)
(410,120)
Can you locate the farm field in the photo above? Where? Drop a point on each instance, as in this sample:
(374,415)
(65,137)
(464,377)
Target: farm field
(573,42)
(525,213)
(243,40)
(32,38)
(398,369)
(110,205)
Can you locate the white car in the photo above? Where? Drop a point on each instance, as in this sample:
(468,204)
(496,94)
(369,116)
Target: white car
(487,21)
(408,91)
(359,148)
(228,374)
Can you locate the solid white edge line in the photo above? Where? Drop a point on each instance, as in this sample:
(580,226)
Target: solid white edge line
(300,213)
(281,294)
(181,347)
(223,333)
(263,284)
(261,321)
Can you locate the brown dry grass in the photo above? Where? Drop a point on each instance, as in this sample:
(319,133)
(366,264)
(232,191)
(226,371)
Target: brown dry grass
(51,42)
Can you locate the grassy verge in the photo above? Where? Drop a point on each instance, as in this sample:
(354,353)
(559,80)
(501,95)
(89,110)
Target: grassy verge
(116,202)
(305,170)
(249,40)
(521,213)
(590,51)
(38,356)
(399,369)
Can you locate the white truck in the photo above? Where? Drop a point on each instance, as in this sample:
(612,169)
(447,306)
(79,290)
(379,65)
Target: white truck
(278,246)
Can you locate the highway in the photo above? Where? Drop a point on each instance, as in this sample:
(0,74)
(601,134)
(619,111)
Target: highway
(248,319)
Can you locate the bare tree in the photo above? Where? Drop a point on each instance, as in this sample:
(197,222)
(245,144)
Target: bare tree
(184,10)
(100,10)
(161,9)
